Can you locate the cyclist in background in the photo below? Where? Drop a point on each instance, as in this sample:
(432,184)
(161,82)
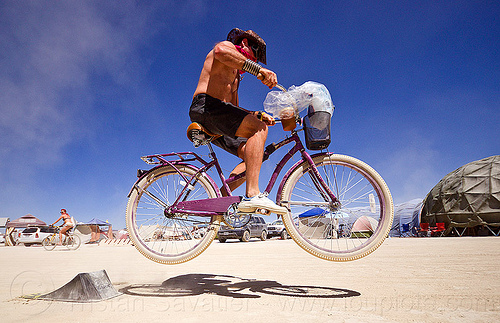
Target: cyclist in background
(68,224)
(215,106)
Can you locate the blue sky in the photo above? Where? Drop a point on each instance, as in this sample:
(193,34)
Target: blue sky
(87,87)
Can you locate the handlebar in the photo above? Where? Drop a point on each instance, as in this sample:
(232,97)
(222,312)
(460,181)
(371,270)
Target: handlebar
(279,86)
(298,120)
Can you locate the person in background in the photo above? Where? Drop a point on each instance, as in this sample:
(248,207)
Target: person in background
(67,225)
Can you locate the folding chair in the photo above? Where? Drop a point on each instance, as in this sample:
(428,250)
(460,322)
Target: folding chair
(405,230)
(439,229)
(424,230)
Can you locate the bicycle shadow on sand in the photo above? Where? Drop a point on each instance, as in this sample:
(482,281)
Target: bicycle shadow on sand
(231,286)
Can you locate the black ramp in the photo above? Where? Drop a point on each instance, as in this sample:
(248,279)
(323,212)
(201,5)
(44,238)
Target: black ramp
(84,288)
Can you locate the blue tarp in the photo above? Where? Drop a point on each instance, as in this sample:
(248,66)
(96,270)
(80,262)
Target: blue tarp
(313,212)
(97,221)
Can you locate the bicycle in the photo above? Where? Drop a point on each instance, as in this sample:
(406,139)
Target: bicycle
(71,241)
(340,208)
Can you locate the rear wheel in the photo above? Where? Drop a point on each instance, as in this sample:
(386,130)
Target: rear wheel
(348,231)
(49,243)
(263,236)
(169,238)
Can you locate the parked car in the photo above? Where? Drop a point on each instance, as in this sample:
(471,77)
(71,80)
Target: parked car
(256,228)
(277,229)
(34,235)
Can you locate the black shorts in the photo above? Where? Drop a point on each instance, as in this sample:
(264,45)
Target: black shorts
(221,118)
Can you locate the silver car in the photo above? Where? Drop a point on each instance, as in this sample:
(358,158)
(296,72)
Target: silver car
(277,229)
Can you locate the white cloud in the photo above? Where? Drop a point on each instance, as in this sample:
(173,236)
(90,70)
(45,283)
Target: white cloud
(51,50)
(58,59)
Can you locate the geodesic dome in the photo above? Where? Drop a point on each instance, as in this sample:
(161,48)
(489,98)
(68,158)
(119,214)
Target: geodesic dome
(466,197)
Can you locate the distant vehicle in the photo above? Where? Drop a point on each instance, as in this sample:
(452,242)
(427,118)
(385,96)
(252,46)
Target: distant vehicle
(277,229)
(256,228)
(34,235)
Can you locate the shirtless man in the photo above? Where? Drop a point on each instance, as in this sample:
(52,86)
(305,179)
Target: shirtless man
(215,106)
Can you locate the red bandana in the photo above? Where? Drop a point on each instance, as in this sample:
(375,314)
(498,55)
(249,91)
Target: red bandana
(246,54)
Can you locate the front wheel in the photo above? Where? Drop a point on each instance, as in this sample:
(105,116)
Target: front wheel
(49,243)
(170,238)
(346,231)
(73,242)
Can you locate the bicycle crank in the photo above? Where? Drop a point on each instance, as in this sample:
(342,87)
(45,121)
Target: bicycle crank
(235,219)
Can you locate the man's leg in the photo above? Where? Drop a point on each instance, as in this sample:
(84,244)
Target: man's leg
(240,168)
(252,151)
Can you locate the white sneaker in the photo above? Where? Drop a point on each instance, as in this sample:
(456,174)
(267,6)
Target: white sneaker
(260,201)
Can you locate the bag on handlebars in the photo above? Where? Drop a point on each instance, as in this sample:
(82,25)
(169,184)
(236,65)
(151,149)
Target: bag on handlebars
(317,99)
(317,129)
(318,118)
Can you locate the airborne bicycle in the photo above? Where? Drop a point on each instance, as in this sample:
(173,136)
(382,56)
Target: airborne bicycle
(339,208)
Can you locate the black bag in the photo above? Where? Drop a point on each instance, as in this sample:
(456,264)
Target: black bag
(317,129)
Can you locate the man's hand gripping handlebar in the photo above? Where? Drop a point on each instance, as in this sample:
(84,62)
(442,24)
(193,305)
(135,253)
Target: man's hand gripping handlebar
(270,79)
(267,77)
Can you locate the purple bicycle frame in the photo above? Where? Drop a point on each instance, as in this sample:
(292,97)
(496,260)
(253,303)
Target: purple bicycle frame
(219,205)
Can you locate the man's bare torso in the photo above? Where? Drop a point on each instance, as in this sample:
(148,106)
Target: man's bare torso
(218,80)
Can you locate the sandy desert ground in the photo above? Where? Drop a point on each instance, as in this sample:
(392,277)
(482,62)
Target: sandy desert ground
(405,280)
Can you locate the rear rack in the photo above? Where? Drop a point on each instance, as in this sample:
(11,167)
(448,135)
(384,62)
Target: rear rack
(160,159)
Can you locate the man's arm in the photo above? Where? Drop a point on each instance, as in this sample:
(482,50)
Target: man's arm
(226,53)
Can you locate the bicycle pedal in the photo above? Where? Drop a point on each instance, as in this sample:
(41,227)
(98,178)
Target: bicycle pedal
(263,211)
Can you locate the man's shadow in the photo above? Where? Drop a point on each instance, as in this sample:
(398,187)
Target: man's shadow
(230,286)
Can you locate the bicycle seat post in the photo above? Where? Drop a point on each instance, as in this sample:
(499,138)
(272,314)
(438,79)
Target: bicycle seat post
(212,153)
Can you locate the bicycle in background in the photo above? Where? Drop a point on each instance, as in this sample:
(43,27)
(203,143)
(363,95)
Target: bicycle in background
(70,241)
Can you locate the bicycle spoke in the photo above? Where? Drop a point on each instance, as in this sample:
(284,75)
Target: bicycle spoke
(153,197)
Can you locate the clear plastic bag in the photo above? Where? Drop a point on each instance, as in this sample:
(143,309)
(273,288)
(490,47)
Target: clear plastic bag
(285,105)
